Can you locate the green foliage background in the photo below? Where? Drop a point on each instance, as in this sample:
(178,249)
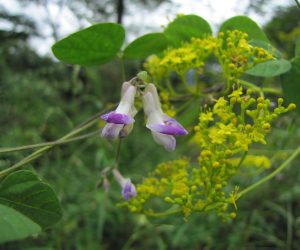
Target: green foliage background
(41,100)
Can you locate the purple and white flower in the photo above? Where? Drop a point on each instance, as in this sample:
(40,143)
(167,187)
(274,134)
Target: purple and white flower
(128,188)
(120,122)
(163,127)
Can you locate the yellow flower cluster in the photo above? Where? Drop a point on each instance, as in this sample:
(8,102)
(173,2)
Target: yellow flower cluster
(190,55)
(233,52)
(236,55)
(169,181)
(223,136)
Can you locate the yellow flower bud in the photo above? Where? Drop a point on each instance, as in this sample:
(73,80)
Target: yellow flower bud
(168,199)
(260,99)
(216,164)
(204,169)
(233,215)
(260,106)
(133,209)
(249,91)
(280,101)
(231,66)
(178,200)
(248,128)
(232,100)
(194,188)
(267,126)
(292,106)
(197,128)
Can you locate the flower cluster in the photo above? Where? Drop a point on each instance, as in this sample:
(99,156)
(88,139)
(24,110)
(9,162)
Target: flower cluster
(180,60)
(223,137)
(233,51)
(120,122)
(236,55)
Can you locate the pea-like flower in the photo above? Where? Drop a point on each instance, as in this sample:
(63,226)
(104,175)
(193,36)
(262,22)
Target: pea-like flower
(120,122)
(128,188)
(163,127)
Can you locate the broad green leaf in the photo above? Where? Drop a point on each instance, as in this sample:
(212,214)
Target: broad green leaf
(244,24)
(94,45)
(270,68)
(297,51)
(291,85)
(183,28)
(266,46)
(146,45)
(23,191)
(15,226)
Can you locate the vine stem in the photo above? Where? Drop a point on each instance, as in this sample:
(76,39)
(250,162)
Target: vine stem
(85,125)
(42,150)
(118,153)
(271,175)
(43,144)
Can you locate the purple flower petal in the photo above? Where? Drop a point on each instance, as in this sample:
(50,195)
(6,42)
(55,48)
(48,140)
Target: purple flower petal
(129,190)
(167,129)
(117,118)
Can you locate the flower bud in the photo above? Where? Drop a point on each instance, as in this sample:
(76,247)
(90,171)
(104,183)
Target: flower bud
(292,106)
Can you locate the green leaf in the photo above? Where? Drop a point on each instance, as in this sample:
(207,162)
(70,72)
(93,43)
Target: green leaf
(23,191)
(94,45)
(146,45)
(244,24)
(266,46)
(291,85)
(15,226)
(183,28)
(270,68)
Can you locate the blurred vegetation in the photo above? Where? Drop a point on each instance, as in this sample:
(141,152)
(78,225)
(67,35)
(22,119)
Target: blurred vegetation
(284,29)
(41,100)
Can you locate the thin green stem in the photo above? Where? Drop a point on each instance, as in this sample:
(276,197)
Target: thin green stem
(40,152)
(170,87)
(187,87)
(259,90)
(271,175)
(123,73)
(97,115)
(228,87)
(43,144)
(242,159)
(118,153)
(162,214)
(297,3)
